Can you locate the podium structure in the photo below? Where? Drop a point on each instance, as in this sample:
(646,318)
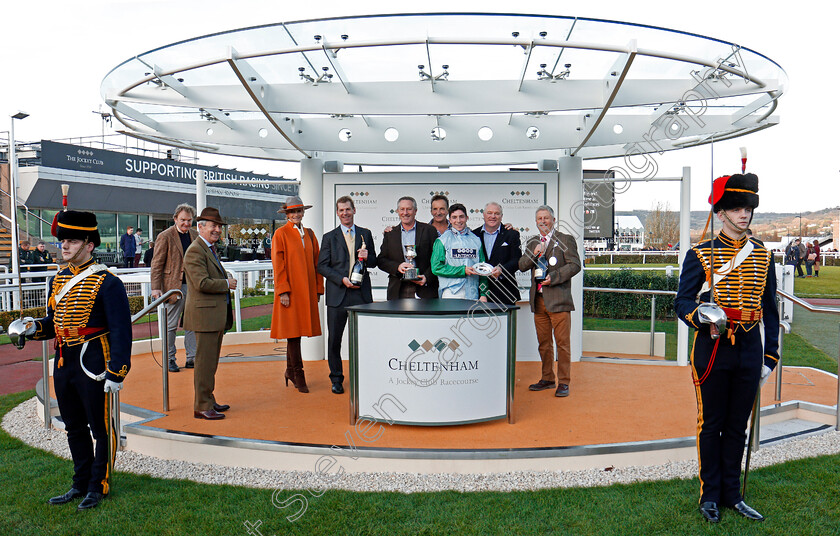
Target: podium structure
(432,362)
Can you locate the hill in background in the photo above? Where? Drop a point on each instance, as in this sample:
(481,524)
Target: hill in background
(767,226)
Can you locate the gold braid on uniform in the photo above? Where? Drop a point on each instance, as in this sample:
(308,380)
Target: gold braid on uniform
(743,287)
(72,313)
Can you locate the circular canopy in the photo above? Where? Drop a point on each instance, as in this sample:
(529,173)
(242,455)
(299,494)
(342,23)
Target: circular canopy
(444,90)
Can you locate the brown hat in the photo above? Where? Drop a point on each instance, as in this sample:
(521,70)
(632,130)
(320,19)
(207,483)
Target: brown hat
(211,214)
(292,203)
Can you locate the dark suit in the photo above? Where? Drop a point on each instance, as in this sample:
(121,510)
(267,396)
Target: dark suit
(506,253)
(207,312)
(334,264)
(392,255)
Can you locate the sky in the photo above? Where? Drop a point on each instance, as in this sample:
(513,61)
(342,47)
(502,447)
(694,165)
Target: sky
(55,54)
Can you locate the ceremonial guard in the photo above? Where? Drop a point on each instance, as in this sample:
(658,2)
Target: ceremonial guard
(89,317)
(731,356)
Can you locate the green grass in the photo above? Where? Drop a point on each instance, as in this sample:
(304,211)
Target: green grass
(797,497)
(256,323)
(797,350)
(827,285)
(667,326)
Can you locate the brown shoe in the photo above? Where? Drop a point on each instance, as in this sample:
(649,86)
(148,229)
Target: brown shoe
(210,415)
(541,385)
(221,407)
(562,390)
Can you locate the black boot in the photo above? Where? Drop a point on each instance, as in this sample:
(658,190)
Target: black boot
(67,497)
(91,500)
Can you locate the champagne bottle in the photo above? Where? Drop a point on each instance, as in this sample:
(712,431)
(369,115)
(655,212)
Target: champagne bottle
(359,269)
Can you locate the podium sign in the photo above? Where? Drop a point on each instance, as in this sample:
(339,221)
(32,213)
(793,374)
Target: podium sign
(439,367)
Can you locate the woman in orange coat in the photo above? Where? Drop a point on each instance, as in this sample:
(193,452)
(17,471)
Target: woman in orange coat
(297,288)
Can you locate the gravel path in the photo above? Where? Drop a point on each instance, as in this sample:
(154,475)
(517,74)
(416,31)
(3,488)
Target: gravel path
(24,423)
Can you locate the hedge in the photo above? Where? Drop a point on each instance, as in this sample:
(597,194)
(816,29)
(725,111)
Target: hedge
(614,305)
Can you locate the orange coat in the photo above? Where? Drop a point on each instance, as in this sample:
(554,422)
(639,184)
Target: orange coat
(294,272)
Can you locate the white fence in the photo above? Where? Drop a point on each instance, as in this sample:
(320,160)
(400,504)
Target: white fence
(136,280)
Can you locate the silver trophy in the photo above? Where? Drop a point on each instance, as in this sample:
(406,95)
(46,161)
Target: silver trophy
(410,254)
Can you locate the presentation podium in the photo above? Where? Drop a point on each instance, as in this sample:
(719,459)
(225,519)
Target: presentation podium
(432,362)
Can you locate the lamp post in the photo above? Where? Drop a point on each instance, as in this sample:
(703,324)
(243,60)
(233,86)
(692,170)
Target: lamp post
(13,199)
(800,224)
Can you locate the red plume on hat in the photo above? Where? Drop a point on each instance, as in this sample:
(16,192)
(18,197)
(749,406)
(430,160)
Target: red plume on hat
(718,187)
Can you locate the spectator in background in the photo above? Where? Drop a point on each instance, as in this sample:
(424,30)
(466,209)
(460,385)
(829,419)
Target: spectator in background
(147,257)
(138,253)
(817,259)
(24,256)
(41,256)
(128,245)
(793,257)
(803,251)
(810,256)
(168,273)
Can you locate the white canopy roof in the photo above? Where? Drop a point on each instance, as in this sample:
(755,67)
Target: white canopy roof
(444,89)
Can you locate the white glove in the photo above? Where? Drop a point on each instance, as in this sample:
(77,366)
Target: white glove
(765,373)
(112,387)
(29,322)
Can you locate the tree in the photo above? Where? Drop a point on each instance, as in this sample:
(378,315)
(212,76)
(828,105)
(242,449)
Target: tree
(662,227)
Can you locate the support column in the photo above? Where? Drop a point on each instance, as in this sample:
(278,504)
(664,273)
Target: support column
(312,193)
(685,244)
(17,298)
(200,191)
(570,220)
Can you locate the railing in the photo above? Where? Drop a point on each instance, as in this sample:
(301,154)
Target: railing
(813,309)
(655,256)
(115,400)
(136,281)
(653,295)
(163,330)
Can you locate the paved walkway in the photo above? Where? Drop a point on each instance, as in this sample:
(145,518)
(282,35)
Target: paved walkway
(18,371)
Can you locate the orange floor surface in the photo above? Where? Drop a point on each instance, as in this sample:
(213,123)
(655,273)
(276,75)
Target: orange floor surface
(609,403)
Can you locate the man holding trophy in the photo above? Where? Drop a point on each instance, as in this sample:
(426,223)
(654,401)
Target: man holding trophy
(406,255)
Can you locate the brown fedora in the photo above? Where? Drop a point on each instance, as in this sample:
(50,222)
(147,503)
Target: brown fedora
(211,214)
(291,203)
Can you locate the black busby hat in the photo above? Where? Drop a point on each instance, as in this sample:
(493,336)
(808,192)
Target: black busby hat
(75,224)
(735,191)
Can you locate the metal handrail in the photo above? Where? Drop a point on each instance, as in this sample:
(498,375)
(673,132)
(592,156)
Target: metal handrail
(115,406)
(146,310)
(814,309)
(632,291)
(163,330)
(806,305)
